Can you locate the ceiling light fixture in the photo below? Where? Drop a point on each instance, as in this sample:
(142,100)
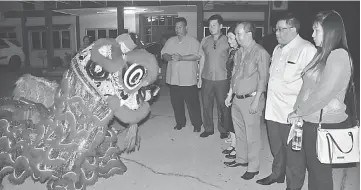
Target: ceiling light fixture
(131,10)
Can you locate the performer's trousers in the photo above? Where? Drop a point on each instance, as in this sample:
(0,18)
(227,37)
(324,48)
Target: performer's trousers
(247,128)
(210,90)
(189,95)
(285,160)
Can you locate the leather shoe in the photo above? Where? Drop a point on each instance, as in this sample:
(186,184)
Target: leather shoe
(206,134)
(178,127)
(223,135)
(249,175)
(196,129)
(226,151)
(270,180)
(235,164)
(230,156)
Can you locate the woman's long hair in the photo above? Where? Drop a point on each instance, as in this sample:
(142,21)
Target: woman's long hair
(334,37)
(232,30)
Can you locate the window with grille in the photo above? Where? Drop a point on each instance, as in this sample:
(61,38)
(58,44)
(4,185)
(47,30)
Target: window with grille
(97,33)
(61,39)
(157,25)
(8,34)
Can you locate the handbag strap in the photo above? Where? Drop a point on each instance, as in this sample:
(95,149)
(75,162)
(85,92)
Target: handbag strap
(351,86)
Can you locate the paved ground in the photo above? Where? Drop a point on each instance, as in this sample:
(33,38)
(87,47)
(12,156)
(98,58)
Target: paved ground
(179,160)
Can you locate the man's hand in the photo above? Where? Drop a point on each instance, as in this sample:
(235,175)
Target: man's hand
(176,57)
(293,117)
(228,101)
(167,57)
(254,106)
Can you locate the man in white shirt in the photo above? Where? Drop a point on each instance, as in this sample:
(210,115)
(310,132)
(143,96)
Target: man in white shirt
(289,59)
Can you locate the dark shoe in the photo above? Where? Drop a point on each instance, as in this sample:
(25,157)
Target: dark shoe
(230,156)
(178,127)
(270,180)
(235,164)
(249,175)
(206,134)
(196,129)
(226,151)
(293,189)
(224,135)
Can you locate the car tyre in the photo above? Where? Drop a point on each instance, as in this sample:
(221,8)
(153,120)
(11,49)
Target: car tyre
(14,63)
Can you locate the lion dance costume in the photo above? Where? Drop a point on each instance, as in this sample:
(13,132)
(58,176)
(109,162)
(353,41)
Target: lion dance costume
(59,134)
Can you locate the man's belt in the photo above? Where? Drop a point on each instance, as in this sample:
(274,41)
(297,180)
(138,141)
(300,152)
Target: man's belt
(246,95)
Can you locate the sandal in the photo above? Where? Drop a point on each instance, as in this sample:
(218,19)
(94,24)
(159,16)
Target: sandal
(228,151)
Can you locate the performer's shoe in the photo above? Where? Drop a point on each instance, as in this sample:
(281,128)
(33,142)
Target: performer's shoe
(249,175)
(228,151)
(235,164)
(231,156)
(178,127)
(206,134)
(270,180)
(223,135)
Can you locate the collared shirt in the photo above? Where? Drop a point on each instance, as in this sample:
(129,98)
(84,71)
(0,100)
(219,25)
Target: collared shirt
(251,67)
(285,80)
(216,56)
(181,73)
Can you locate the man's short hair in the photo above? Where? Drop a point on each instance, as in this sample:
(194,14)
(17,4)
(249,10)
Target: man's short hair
(249,27)
(216,17)
(181,19)
(291,20)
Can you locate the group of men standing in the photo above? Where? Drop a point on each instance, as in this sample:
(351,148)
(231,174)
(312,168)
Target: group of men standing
(241,100)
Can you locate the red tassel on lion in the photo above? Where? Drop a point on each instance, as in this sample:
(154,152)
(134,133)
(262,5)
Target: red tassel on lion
(58,133)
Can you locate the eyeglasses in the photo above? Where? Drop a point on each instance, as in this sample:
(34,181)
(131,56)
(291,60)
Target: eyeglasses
(282,29)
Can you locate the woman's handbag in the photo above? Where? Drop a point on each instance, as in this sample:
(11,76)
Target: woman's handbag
(339,146)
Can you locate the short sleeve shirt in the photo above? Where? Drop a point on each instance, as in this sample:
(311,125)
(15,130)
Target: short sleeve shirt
(181,73)
(216,56)
(285,80)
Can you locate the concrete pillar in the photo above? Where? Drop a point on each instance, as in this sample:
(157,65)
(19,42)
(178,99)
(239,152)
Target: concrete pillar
(25,42)
(77,29)
(200,27)
(267,19)
(120,18)
(49,33)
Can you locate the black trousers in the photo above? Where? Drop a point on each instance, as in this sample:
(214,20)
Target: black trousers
(189,95)
(285,160)
(216,89)
(319,175)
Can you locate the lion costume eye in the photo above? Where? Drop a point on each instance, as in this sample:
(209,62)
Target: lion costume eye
(95,71)
(133,76)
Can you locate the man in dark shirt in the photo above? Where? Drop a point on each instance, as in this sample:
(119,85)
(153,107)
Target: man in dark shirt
(213,77)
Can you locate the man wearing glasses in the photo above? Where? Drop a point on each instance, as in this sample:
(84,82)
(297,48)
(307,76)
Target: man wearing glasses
(289,58)
(213,80)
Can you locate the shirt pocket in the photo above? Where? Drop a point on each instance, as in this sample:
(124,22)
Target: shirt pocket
(291,72)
